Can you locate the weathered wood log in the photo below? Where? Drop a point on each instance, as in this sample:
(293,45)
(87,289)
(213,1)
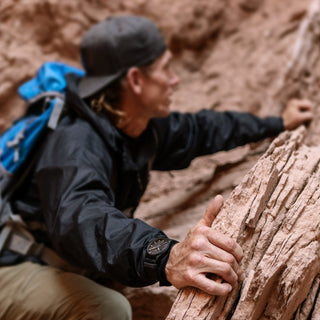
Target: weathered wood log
(274,215)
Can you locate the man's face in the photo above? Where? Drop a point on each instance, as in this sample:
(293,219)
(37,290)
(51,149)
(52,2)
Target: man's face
(158,86)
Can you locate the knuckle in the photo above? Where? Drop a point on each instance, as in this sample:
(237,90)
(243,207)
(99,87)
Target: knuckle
(212,288)
(226,269)
(231,245)
(202,230)
(188,277)
(198,243)
(230,260)
(195,259)
(218,289)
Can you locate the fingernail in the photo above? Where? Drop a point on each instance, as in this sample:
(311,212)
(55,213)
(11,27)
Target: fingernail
(242,276)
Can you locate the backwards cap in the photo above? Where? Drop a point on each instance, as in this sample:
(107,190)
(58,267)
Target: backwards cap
(113,46)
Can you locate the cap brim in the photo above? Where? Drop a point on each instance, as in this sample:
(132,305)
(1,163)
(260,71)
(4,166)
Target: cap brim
(90,85)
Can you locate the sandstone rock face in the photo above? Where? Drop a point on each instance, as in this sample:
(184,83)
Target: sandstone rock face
(230,54)
(274,215)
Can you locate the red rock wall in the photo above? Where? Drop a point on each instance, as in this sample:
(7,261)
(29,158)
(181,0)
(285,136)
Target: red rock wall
(230,54)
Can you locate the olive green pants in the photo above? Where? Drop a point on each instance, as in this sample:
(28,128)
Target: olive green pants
(31,291)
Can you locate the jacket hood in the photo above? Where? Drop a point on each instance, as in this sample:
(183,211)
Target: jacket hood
(102,124)
(136,152)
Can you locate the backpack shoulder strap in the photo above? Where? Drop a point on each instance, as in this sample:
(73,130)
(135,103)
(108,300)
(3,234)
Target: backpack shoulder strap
(56,112)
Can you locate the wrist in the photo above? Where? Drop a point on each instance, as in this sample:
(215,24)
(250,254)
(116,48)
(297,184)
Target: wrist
(156,257)
(163,279)
(171,265)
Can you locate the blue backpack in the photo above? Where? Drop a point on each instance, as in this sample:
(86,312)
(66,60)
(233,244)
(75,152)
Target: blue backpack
(45,97)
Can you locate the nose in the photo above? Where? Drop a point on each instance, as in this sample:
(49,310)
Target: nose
(174,79)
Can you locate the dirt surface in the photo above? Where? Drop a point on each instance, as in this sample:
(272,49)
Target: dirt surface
(230,55)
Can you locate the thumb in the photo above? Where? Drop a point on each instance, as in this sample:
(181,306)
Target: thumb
(212,211)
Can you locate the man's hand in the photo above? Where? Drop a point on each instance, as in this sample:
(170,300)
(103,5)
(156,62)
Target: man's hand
(297,112)
(205,252)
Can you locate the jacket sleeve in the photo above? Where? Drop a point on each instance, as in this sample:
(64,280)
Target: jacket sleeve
(77,200)
(183,137)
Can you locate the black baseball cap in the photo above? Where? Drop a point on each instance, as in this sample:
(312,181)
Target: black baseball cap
(113,46)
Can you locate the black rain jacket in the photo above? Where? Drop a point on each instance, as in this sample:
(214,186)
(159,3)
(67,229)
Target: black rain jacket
(89,173)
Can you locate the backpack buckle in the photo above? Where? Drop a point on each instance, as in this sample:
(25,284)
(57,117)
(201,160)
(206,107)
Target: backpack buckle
(11,238)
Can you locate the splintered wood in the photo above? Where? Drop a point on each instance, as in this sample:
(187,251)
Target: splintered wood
(275,216)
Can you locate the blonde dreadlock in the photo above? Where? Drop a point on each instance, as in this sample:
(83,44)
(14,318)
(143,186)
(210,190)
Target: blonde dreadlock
(107,101)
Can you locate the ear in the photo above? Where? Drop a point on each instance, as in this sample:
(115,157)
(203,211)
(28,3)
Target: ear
(135,80)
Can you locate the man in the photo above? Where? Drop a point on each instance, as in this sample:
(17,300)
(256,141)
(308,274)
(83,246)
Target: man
(93,170)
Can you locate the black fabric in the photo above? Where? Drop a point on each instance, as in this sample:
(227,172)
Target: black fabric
(88,173)
(182,137)
(8,258)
